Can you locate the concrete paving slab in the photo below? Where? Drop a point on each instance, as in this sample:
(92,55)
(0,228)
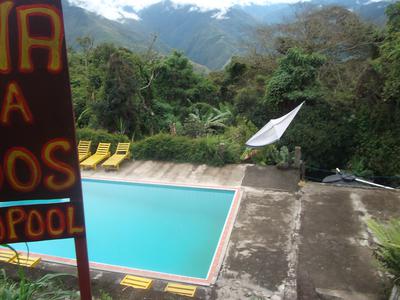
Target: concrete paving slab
(271,178)
(164,172)
(257,263)
(334,253)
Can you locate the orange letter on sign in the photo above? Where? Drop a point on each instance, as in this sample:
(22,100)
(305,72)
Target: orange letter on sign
(72,229)
(29,230)
(30,160)
(51,162)
(53,43)
(52,215)
(14,216)
(5,62)
(1,179)
(2,231)
(14,100)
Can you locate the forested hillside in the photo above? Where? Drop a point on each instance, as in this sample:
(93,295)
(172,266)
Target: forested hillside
(204,38)
(80,22)
(209,37)
(347,71)
(373,11)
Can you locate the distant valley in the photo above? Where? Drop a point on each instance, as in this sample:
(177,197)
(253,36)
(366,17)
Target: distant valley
(208,37)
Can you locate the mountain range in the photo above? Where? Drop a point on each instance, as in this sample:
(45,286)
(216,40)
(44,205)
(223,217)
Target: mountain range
(209,37)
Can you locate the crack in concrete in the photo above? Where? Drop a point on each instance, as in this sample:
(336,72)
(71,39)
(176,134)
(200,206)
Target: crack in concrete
(290,291)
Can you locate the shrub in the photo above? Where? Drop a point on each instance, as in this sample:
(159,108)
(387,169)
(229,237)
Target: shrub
(267,155)
(378,142)
(240,133)
(271,155)
(387,250)
(100,136)
(47,287)
(325,133)
(212,150)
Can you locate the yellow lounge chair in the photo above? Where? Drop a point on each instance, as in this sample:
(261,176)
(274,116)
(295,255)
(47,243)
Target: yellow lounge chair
(180,289)
(102,152)
(120,155)
(7,255)
(136,282)
(26,261)
(84,150)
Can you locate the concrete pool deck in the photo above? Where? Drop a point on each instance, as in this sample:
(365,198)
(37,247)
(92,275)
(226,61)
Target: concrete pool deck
(164,172)
(288,242)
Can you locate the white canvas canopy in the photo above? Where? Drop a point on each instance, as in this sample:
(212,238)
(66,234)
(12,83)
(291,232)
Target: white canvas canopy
(274,130)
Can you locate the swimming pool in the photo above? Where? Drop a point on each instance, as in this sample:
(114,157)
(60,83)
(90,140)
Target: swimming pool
(171,232)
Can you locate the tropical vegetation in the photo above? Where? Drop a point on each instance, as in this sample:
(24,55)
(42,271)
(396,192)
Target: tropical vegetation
(47,287)
(387,246)
(345,69)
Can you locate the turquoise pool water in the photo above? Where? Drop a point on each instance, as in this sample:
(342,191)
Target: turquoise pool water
(165,229)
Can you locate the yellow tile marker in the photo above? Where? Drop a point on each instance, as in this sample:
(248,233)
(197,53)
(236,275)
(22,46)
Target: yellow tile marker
(180,289)
(136,282)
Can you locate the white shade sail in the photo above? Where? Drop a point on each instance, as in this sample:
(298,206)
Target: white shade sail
(274,130)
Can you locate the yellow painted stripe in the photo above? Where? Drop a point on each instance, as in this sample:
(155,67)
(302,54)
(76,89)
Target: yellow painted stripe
(180,289)
(136,282)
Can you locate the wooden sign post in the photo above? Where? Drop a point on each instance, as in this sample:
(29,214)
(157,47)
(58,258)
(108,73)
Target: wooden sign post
(38,155)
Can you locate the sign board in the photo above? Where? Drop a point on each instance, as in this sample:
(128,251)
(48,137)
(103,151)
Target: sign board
(37,150)
(38,156)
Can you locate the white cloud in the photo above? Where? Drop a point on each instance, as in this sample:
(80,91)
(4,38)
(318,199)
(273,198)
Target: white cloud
(114,9)
(109,9)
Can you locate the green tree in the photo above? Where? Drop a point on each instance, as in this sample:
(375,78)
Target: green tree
(378,108)
(389,61)
(249,103)
(175,79)
(79,85)
(87,71)
(178,85)
(325,131)
(120,106)
(333,31)
(346,41)
(322,129)
(295,80)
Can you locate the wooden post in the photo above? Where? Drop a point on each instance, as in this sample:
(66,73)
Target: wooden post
(297,156)
(302,171)
(83,268)
(82,257)
(172,129)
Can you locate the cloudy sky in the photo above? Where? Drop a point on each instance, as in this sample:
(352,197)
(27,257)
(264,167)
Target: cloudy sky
(113,9)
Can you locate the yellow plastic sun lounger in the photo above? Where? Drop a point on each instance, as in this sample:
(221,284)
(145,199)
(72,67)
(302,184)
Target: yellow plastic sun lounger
(120,155)
(180,289)
(136,282)
(7,255)
(102,152)
(84,150)
(26,261)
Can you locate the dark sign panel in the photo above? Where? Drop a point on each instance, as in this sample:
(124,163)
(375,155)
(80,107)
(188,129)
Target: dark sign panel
(38,157)
(40,222)
(37,145)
